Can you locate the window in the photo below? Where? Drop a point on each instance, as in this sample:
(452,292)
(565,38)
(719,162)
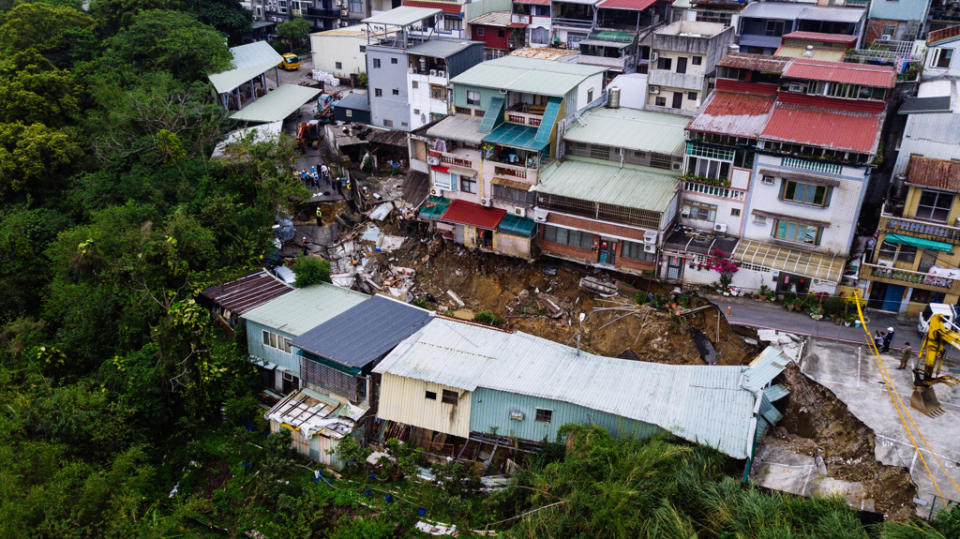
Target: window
(934,206)
(700,210)
(774,28)
(664,63)
(539,35)
(708,168)
(943,59)
(889,29)
(634,250)
(449,397)
(473,98)
(798,233)
(893,252)
(393,60)
(544,416)
(468,186)
(396,91)
(430,395)
(355,6)
(734,212)
(563,236)
(692,96)
(349,113)
(276,341)
(376,63)
(510,194)
(415,84)
(338,65)
(388,123)
(437,92)
(926,296)
(590,95)
(805,193)
(599,152)
(480,31)
(500,33)
(696,60)
(378,92)
(661,101)
(461,110)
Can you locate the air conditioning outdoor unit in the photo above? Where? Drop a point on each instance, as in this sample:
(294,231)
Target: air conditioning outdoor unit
(540,215)
(675,166)
(520,212)
(767,180)
(433,160)
(647,248)
(654,89)
(436,192)
(685,214)
(485,202)
(885,263)
(649,237)
(886,37)
(720,227)
(441,74)
(516,415)
(288,376)
(433,72)
(654,56)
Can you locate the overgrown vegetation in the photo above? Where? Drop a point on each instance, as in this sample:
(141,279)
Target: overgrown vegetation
(487,317)
(310,270)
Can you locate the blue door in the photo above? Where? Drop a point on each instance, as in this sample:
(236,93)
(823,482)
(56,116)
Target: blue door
(893,297)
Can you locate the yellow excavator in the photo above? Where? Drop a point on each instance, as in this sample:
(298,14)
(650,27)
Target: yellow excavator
(939,334)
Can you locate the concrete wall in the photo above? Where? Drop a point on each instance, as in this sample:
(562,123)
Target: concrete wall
(423,107)
(930,71)
(403,400)
(389,76)
(327,50)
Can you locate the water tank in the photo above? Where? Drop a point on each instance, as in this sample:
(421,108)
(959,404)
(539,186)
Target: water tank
(614,101)
(733,47)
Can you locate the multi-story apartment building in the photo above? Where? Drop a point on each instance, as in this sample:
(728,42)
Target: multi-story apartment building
(780,156)
(899,20)
(942,47)
(684,56)
(535,16)
(762,24)
(408,71)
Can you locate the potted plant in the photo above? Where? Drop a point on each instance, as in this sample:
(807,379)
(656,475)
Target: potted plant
(816,313)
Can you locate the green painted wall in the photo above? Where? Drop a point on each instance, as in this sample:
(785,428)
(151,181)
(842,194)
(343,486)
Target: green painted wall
(460,96)
(257,350)
(490,408)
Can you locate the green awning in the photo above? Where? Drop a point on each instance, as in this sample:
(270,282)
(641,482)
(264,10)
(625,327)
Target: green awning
(919,242)
(611,35)
(434,207)
(516,136)
(518,226)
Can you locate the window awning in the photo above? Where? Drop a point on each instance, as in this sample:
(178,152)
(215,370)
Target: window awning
(516,136)
(792,218)
(918,242)
(434,207)
(800,177)
(815,265)
(513,184)
(467,213)
(518,226)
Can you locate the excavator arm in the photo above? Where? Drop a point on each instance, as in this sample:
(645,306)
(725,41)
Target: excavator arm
(938,337)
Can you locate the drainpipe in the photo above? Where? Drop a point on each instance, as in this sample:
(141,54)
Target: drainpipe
(621,157)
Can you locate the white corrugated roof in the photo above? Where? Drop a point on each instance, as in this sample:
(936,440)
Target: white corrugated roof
(276,105)
(303,309)
(248,61)
(632,129)
(402,16)
(710,405)
(529,75)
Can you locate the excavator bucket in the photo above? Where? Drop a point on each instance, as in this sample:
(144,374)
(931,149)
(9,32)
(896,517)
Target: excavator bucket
(925,400)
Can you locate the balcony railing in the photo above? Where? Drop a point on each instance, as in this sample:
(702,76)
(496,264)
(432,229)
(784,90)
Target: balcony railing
(503,170)
(906,277)
(575,23)
(518,18)
(524,118)
(715,190)
(453,159)
(816,166)
(922,229)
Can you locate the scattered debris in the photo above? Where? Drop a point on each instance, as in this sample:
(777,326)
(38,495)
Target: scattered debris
(600,287)
(455,297)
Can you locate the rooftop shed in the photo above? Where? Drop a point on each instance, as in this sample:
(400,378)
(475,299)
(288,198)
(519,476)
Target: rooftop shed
(529,75)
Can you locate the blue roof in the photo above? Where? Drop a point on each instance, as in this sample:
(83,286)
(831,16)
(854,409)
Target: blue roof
(519,226)
(363,333)
(516,136)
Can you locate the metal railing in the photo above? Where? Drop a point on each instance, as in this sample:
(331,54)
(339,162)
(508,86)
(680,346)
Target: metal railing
(817,166)
(912,278)
(924,229)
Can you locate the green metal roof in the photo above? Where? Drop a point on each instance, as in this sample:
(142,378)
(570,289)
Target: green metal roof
(434,207)
(918,242)
(303,309)
(276,105)
(632,129)
(249,61)
(607,183)
(402,16)
(518,226)
(516,136)
(611,35)
(528,75)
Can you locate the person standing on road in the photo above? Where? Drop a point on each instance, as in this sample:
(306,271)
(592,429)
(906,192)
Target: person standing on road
(325,173)
(878,340)
(905,358)
(319,216)
(888,339)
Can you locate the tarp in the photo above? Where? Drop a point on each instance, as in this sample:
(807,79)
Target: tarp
(518,226)
(919,242)
(434,207)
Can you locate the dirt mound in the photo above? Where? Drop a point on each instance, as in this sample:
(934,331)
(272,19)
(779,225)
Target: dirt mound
(816,423)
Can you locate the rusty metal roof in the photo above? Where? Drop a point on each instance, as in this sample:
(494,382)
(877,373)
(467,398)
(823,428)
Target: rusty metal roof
(754,62)
(841,130)
(241,295)
(937,173)
(729,113)
(845,72)
(822,37)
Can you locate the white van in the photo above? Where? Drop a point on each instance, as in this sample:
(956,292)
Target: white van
(948,312)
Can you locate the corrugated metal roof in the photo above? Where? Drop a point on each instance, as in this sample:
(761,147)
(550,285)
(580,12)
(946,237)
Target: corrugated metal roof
(402,16)
(937,173)
(530,75)
(453,8)
(773,10)
(494,18)
(633,5)
(441,48)
(248,61)
(356,100)
(764,368)
(240,295)
(705,404)
(925,105)
(276,105)
(604,182)
(822,37)
(795,261)
(753,62)
(458,127)
(630,128)
(256,133)
(815,53)
(833,14)
(515,135)
(729,113)
(862,74)
(469,213)
(841,130)
(942,128)
(363,333)
(305,308)
(775,392)
(943,35)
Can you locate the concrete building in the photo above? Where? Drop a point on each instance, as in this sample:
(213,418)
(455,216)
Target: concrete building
(431,66)
(471,383)
(498,33)
(896,20)
(942,54)
(340,52)
(762,24)
(535,15)
(684,56)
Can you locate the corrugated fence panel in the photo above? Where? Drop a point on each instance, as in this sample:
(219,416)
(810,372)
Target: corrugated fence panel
(404,400)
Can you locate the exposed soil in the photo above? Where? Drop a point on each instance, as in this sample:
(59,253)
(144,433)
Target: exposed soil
(816,423)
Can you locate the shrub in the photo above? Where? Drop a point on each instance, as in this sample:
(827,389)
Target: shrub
(487,317)
(310,271)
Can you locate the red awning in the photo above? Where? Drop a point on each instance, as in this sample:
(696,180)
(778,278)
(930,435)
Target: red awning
(440,169)
(468,213)
(633,5)
(447,7)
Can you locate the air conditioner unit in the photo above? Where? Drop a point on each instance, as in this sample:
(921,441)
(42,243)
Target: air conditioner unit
(796,87)
(441,74)
(685,213)
(516,415)
(649,237)
(654,90)
(675,166)
(520,212)
(540,215)
(720,227)
(288,376)
(654,56)
(503,90)
(886,37)
(485,202)
(433,72)
(767,180)
(436,192)
(885,263)
(647,248)
(432,160)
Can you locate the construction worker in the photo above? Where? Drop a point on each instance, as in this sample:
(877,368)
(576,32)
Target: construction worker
(303,246)
(905,358)
(319,216)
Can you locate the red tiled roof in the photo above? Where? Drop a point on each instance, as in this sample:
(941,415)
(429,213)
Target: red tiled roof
(937,173)
(863,74)
(447,7)
(822,37)
(635,5)
(737,114)
(241,295)
(754,62)
(839,130)
(943,34)
(468,213)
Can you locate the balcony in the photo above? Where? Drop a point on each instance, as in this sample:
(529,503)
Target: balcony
(517,18)
(908,278)
(524,118)
(586,24)
(456,158)
(659,77)
(892,223)
(322,13)
(513,172)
